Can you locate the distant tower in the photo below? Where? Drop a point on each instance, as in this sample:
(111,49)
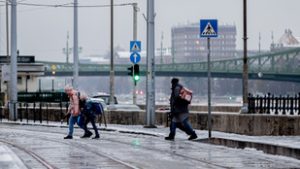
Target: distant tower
(161,47)
(259,43)
(67,50)
(272,43)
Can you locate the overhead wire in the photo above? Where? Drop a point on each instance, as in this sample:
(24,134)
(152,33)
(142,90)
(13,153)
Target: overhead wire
(64,5)
(67,5)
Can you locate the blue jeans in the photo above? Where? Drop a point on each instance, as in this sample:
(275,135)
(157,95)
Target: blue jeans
(72,121)
(184,126)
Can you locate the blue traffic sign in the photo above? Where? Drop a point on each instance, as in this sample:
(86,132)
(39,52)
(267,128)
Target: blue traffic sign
(135,46)
(135,57)
(208,28)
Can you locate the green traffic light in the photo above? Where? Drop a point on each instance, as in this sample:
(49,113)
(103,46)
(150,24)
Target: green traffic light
(136,77)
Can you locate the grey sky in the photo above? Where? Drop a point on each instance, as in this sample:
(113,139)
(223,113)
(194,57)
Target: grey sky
(42,31)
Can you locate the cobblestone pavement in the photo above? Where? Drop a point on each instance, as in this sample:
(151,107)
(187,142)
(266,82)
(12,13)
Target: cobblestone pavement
(44,147)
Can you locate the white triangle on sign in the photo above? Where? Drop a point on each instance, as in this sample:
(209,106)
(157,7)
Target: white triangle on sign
(208,30)
(135,47)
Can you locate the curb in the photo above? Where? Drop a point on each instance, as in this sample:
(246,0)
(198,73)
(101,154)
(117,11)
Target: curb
(99,128)
(266,148)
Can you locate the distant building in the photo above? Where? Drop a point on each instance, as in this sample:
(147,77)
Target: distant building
(287,40)
(189,47)
(27,74)
(94,59)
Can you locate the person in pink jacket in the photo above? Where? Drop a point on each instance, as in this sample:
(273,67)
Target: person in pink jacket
(73,109)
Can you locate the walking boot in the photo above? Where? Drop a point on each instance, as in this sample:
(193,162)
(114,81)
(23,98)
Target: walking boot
(96,137)
(193,136)
(87,135)
(170,137)
(68,137)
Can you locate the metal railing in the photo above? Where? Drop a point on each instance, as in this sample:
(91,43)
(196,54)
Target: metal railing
(277,105)
(39,106)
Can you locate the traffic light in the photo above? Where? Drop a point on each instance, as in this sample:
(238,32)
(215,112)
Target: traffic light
(136,72)
(130,73)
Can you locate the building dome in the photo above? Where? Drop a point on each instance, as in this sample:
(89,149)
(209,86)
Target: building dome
(287,39)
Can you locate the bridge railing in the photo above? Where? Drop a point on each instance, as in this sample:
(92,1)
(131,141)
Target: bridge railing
(275,105)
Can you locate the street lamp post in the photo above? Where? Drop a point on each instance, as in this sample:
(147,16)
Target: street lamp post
(75,47)
(245,62)
(13,111)
(135,10)
(150,75)
(112,72)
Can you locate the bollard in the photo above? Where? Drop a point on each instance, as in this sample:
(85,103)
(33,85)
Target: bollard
(27,116)
(1,109)
(268,107)
(251,104)
(264,104)
(260,105)
(20,112)
(283,106)
(40,113)
(276,105)
(298,104)
(272,103)
(47,111)
(33,112)
(291,105)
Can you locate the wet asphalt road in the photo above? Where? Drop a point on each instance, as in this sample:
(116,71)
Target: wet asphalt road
(120,150)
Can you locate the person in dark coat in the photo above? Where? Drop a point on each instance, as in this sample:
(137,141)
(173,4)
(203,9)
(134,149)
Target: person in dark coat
(88,116)
(179,113)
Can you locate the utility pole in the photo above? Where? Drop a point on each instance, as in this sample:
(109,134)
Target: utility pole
(13,111)
(161,48)
(150,95)
(7,32)
(7,49)
(259,45)
(245,62)
(1,80)
(112,72)
(135,10)
(75,47)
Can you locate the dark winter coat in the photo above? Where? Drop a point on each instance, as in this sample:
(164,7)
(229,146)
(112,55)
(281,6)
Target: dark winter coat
(178,105)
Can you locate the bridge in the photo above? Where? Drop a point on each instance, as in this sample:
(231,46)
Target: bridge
(280,65)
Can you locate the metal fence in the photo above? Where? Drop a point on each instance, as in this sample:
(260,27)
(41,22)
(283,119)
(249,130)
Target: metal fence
(39,106)
(277,105)
(32,104)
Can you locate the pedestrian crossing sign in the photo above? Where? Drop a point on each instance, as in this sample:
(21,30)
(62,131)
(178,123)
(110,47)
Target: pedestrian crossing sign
(208,28)
(135,46)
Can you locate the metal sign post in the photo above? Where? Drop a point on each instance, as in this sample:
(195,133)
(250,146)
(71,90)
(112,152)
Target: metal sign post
(135,57)
(209,88)
(208,29)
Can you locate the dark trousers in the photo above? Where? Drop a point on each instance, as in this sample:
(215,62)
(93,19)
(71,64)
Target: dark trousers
(90,118)
(184,126)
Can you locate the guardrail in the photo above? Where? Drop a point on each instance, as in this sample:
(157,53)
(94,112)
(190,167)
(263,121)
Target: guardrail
(37,102)
(41,106)
(41,99)
(277,105)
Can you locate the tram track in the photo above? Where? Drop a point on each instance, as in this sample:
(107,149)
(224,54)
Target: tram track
(88,147)
(47,164)
(38,158)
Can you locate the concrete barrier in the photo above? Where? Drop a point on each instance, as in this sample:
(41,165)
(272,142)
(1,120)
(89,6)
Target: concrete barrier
(248,124)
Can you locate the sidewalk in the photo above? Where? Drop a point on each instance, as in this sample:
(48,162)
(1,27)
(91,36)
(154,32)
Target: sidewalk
(279,145)
(9,160)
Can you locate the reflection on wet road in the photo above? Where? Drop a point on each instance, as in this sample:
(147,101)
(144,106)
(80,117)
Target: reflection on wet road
(117,150)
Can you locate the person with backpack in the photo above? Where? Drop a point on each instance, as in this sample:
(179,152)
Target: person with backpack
(89,111)
(73,110)
(179,112)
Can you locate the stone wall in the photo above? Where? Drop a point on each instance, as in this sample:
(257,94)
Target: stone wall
(248,124)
